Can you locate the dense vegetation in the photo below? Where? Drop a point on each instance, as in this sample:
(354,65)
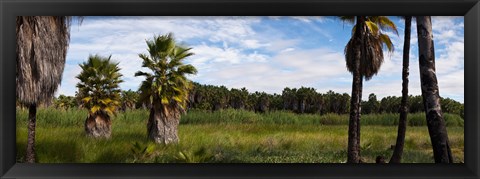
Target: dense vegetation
(229,136)
(302,100)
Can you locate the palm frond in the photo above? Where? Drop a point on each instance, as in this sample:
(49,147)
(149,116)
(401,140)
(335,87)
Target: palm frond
(387,42)
(98,89)
(373,28)
(385,24)
(167,82)
(349,19)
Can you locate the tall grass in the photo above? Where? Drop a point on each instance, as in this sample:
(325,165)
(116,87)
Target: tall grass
(238,143)
(76,117)
(230,136)
(286,117)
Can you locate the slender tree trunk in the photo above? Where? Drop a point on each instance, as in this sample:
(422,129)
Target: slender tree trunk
(359,113)
(353,150)
(32,120)
(402,123)
(430,93)
(162,126)
(98,125)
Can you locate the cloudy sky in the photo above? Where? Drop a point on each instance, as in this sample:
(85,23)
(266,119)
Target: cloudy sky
(265,53)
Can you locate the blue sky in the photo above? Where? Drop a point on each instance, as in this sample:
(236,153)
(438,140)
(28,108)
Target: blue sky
(265,53)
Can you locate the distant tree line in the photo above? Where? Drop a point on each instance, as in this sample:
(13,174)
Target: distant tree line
(298,100)
(304,100)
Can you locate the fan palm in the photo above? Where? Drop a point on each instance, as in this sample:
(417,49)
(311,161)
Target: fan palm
(99,92)
(166,88)
(129,98)
(238,98)
(64,102)
(364,57)
(42,43)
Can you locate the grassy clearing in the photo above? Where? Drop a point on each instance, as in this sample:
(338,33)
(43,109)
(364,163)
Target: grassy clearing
(277,137)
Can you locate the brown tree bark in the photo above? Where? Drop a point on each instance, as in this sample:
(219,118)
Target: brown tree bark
(98,125)
(353,149)
(430,92)
(402,123)
(162,126)
(32,120)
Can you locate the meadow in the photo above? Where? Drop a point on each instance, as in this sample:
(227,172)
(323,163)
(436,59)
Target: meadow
(230,136)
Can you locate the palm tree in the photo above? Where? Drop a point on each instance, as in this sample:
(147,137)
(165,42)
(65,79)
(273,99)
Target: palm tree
(129,98)
(238,98)
(402,123)
(42,43)
(430,94)
(364,57)
(64,102)
(99,93)
(167,88)
(221,98)
(262,102)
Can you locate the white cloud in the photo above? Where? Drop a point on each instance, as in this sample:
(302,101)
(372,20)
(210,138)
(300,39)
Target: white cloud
(231,51)
(293,68)
(309,19)
(287,50)
(253,44)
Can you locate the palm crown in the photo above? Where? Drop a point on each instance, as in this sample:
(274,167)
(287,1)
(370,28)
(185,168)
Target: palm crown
(168,82)
(375,40)
(98,88)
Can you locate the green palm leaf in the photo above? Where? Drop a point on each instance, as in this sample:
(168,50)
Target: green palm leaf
(98,89)
(167,82)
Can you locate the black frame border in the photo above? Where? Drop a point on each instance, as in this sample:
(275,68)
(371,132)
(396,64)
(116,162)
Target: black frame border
(470,9)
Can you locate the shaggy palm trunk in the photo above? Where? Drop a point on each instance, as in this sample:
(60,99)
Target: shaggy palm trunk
(430,93)
(294,105)
(353,150)
(98,125)
(319,108)
(32,120)
(302,106)
(402,123)
(162,126)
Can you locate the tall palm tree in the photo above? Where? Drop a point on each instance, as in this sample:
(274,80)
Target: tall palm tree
(99,92)
(364,57)
(402,123)
(167,88)
(42,43)
(430,94)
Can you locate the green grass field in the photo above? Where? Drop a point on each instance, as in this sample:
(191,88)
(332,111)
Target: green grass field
(231,136)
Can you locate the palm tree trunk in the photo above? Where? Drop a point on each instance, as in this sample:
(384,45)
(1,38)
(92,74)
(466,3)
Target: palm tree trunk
(359,113)
(402,123)
(32,120)
(162,126)
(353,150)
(430,93)
(302,106)
(98,125)
(294,105)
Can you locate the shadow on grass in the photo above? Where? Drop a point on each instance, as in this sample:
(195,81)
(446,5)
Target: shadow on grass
(112,156)
(53,151)
(21,149)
